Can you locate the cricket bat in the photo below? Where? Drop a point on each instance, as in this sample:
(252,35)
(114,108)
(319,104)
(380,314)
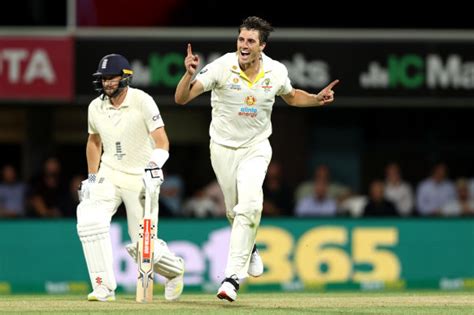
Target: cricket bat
(145,255)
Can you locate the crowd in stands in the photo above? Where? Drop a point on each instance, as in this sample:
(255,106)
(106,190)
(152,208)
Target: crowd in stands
(46,195)
(49,195)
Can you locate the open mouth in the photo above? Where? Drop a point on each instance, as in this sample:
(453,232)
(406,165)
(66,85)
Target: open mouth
(244,54)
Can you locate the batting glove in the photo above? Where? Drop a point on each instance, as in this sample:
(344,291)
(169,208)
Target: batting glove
(153,177)
(84,190)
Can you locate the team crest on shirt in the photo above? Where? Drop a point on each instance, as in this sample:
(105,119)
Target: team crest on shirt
(250,100)
(266,85)
(249,111)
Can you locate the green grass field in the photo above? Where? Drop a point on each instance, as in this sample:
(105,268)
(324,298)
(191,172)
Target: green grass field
(410,302)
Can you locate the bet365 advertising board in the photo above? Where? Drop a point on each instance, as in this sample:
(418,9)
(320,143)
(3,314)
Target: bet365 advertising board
(311,254)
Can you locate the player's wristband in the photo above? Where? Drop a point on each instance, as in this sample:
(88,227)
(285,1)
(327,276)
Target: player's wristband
(159,157)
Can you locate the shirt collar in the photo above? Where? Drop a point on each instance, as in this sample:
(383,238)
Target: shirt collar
(235,68)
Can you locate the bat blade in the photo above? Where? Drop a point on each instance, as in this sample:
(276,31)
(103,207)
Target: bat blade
(145,262)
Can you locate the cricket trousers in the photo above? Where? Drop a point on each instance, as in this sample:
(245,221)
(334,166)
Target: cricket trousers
(94,215)
(240,173)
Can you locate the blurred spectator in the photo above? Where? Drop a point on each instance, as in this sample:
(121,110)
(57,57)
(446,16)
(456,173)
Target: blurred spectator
(171,194)
(397,190)
(353,205)
(471,187)
(336,191)
(277,195)
(46,191)
(214,192)
(434,192)
(206,202)
(200,206)
(69,201)
(319,204)
(378,205)
(12,194)
(462,205)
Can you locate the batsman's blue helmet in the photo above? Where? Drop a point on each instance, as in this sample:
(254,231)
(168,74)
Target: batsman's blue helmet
(113,65)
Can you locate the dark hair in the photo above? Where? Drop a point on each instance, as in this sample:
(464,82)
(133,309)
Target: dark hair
(255,23)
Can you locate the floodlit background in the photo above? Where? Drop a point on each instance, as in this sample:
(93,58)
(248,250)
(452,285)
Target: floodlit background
(403,114)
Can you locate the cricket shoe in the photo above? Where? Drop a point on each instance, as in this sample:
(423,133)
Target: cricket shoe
(101,293)
(174,288)
(256,263)
(228,289)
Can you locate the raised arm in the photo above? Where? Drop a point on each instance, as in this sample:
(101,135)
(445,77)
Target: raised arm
(187,90)
(301,98)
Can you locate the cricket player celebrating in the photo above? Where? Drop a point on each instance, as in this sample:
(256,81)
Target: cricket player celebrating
(244,85)
(126,149)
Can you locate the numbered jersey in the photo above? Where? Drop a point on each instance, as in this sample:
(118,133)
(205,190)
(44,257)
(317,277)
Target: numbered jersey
(125,131)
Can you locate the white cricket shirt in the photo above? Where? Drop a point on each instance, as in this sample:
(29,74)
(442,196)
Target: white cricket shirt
(241,110)
(125,131)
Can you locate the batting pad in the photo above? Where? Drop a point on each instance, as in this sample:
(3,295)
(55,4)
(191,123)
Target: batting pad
(166,263)
(97,248)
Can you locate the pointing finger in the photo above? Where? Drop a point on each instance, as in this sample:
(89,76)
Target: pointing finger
(190,51)
(332,84)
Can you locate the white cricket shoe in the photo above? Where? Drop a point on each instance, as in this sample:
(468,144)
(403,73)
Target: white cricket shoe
(174,288)
(256,263)
(101,293)
(228,289)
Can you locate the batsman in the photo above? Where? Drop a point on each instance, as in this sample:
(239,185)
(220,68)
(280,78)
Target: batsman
(126,148)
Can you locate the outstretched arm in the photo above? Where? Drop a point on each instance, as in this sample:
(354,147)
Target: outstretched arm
(187,90)
(301,98)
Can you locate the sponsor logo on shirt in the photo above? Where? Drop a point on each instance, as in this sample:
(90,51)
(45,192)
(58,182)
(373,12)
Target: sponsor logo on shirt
(249,111)
(156,117)
(266,85)
(234,85)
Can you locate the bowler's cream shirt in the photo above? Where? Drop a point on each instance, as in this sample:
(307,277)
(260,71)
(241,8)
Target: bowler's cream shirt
(241,110)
